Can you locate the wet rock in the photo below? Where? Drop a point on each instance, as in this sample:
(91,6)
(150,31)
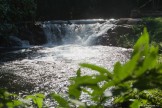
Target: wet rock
(33,33)
(102,40)
(124,29)
(15,41)
(134,21)
(10,41)
(129,21)
(135,13)
(121,30)
(107,40)
(15,83)
(26,31)
(115,34)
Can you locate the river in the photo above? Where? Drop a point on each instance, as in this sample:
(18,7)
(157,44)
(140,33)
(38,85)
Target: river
(47,68)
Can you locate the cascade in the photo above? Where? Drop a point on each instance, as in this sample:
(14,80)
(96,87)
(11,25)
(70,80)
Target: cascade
(82,32)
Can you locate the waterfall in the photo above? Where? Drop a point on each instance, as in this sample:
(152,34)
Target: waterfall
(83,32)
(48,68)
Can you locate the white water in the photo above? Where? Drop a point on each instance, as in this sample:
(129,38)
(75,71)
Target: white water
(82,32)
(49,67)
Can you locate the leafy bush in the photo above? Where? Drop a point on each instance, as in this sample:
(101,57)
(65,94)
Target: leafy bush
(137,83)
(11,100)
(133,83)
(154,26)
(17,10)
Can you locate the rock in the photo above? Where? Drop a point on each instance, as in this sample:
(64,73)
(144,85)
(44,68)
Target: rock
(113,36)
(117,35)
(135,13)
(121,30)
(26,31)
(129,21)
(32,33)
(107,39)
(134,21)
(10,41)
(102,40)
(4,41)
(122,21)
(15,41)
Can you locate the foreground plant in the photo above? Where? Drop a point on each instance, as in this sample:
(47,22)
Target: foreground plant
(135,84)
(132,84)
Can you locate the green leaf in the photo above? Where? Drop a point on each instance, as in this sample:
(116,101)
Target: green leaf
(76,102)
(1,105)
(149,62)
(39,102)
(14,103)
(17,103)
(79,72)
(117,68)
(123,72)
(62,102)
(40,95)
(84,81)
(142,45)
(30,97)
(74,91)
(135,104)
(37,99)
(99,69)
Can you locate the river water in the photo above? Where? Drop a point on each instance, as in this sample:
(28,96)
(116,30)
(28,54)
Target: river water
(48,67)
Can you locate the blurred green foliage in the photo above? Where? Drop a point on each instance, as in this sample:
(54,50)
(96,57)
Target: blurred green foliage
(154,26)
(132,83)
(17,10)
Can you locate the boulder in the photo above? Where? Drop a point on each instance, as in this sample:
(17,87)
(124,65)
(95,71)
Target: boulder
(10,41)
(135,13)
(32,33)
(116,35)
(22,33)
(129,21)
(121,30)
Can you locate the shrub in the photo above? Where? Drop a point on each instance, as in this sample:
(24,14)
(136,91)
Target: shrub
(17,10)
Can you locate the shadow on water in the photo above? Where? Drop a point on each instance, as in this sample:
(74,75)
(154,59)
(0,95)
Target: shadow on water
(14,83)
(11,81)
(18,54)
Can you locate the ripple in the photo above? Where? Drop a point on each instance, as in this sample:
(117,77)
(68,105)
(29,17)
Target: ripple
(48,69)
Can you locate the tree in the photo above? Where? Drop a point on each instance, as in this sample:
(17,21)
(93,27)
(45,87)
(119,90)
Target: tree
(17,10)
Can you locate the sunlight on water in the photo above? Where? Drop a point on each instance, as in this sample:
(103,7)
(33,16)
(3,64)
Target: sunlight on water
(49,67)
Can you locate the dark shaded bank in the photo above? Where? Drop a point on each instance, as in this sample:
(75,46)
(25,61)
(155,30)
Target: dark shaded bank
(83,9)
(20,34)
(79,9)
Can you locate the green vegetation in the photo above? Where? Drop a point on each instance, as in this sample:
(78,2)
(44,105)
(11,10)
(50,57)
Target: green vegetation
(137,83)
(14,13)
(17,10)
(154,26)
(128,40)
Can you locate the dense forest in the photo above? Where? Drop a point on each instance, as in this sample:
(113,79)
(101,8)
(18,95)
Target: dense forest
(23,10)
(76,9)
